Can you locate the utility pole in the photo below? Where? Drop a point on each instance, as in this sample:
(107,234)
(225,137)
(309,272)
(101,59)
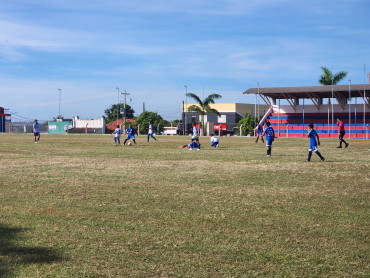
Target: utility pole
(118,106)
(124,107)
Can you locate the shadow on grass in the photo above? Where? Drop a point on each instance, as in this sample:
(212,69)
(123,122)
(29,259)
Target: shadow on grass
(12,255)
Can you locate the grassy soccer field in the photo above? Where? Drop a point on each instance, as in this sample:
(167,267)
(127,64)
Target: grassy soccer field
(78,206)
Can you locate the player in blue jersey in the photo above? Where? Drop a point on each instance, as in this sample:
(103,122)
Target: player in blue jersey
(259,132)
(150,132)
(117,138)
(214,141)
(312,134)
(270,136)
(36,131)
(192,145)
(130,135)
(195,137)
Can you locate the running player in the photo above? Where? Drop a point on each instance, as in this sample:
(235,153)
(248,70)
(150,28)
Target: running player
(312,134)
(130,135)
(36,131)
(117,137)
(150,132)
(270,136)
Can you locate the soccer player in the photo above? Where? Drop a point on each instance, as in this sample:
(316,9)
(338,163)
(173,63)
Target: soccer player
(341,131)
(36,131)
(117,137)
(190,146)
(259,132)
(150,132)
(195,137)
(270,136)
(312,134)
(130,135)
(214,141)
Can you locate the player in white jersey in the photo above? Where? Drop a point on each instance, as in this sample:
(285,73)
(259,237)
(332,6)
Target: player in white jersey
(117,138)
(36,131)
(150,132)
(214,141)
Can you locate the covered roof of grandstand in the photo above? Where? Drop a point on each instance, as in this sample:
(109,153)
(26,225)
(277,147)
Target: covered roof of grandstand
(341,91)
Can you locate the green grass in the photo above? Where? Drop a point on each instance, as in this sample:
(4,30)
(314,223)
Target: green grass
(78,206)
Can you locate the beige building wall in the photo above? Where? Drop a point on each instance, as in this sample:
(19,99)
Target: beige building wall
(240,108)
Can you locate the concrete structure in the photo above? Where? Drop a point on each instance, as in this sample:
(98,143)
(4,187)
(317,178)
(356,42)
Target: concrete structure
(94,126)
(231,114)
(3,116)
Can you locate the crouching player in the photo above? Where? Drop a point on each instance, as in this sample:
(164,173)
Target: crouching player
(270,136)
(312,134)
(214,141)
(117,137)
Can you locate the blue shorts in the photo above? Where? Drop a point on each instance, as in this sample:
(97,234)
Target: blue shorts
(269,141)
(313,148)
(36,134)
(214,144)
(259,133)
(195,139)
(130,136)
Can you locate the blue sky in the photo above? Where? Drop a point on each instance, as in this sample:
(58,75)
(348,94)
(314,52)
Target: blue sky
(152,48)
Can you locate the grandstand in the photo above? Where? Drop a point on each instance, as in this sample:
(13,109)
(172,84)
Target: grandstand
(305,105)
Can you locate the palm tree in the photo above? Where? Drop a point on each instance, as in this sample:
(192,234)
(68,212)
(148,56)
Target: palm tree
(327,77)
(203,107)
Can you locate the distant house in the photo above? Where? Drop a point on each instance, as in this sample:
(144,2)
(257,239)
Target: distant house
(113,125)
(231,114)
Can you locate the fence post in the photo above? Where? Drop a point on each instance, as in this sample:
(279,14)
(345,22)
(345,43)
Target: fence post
(367,131)
(241,130)
(287,130)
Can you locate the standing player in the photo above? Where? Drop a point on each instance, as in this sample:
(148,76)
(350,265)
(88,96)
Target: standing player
(195,137)
(341,133)
(130,134)
(36,131)
(150,132)
(259,132)
(312,134)
(270,136)
(214,141)
(117,137)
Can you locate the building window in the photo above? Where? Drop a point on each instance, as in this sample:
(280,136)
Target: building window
(222,119)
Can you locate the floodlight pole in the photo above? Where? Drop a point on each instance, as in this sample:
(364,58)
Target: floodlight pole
(349,108)
(60,98)
(258,100)
(186,107)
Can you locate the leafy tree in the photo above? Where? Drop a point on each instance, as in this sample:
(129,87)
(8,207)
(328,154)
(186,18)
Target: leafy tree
(203,106)
(111,112)
(146,117)
(327,77)
(248,122)
(58,117)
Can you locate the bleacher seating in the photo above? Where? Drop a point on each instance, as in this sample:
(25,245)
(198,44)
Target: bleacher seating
(295,125)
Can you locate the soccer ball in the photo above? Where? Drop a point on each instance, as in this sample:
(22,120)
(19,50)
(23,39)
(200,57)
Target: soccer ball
(129,143)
